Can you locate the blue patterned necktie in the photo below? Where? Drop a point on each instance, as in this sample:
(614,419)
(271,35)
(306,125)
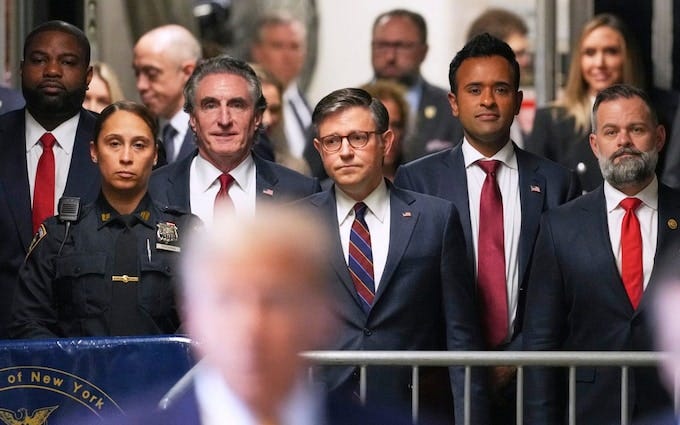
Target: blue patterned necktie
(361,258)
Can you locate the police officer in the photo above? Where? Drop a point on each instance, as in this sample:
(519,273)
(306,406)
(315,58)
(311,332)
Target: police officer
(109,268)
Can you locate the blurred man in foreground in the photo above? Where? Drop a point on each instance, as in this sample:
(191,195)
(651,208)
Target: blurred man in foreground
(253,302)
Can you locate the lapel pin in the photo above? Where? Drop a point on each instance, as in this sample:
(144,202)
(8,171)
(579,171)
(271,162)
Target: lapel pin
(672,224)
(406,214)
(268,192)
(535,188)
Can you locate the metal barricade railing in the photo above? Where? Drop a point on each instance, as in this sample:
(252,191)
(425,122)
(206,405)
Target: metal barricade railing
(469,359)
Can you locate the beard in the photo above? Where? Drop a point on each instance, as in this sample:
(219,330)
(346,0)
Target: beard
(631,170)
(65,104)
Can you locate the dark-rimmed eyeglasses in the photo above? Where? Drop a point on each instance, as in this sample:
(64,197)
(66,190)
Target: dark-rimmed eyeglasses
(356,139)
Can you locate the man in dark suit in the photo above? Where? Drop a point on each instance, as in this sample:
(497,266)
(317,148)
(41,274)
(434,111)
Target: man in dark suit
(253,302)
(280,47)
(595,266)
(55,73)
(484,79)
(225,105)
(164,58)
(404,284)
(398,48)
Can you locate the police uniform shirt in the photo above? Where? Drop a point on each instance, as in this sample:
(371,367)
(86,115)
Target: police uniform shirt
(75,290)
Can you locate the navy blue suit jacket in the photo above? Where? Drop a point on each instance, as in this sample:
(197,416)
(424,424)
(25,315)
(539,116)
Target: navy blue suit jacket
(169,185)
(15,199)
(436,128)
(424,301)
(542,185)
(576,301)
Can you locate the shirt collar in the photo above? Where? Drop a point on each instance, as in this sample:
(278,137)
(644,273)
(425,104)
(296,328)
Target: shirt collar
(506,155)
(106,214)
(376,202)
(649,195)
(180,121)
(207,173)
(65,133)
(303,405)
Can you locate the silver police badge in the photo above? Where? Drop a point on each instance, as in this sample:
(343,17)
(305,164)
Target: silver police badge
(167,232)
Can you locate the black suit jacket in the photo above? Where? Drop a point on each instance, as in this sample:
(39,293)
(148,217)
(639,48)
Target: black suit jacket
(15,200)
(555,138)
(577,301)
(424,301)
(436,128)
(169,185)
(542,185)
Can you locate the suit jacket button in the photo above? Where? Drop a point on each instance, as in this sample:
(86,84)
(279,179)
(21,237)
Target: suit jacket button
(368,332)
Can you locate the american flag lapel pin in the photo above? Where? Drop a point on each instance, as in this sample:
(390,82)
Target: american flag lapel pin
(268,192)
(406,214)
(535,188)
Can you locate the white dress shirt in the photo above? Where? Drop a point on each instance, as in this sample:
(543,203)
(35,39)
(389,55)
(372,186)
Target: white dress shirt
(204,184)
(507,177)
(296,122)
(218,404)
(648,216)
(65,134)
(377,219)
(180,122)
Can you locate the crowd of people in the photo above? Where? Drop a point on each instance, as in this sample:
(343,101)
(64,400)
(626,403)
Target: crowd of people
(395,216)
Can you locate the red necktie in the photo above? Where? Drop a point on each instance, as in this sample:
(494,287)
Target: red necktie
(223,199)
(43,192)
(491,258)
(631,251)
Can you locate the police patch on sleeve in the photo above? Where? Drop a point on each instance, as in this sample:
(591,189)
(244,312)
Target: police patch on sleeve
(39,235)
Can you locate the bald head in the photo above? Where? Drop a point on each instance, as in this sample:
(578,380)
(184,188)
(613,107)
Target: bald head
(164,58)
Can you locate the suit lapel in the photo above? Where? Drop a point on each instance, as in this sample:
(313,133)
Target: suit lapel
(188,144)
(82,172)
(403,219)
(532,189)
(325,201)
(669,217)
(14,176)
(178,188)
(455,189)
(595,229)
(265,180)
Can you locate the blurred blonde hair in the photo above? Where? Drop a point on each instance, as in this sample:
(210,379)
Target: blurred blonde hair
(108,76)
(575,98)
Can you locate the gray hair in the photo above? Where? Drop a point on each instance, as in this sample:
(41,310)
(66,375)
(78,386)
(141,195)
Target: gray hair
(223,64)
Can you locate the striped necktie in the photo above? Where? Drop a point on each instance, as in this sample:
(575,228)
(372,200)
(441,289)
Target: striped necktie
(361,257)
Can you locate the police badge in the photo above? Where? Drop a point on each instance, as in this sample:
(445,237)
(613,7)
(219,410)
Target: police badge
(166,236)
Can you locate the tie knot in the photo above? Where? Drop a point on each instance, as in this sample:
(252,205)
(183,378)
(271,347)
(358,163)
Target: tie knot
(360,210)
(630,204)
(47,140)
(225,181)
(489,167)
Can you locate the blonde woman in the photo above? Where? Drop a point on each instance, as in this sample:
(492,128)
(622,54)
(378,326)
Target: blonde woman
(604,55)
